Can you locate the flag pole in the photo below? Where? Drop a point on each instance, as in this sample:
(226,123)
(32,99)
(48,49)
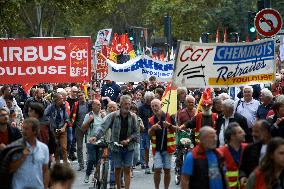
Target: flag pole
(168,105)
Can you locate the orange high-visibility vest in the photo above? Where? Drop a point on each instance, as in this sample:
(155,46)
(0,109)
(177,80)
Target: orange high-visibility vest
(232,172)
(171,140)
(198,126)
(259,179)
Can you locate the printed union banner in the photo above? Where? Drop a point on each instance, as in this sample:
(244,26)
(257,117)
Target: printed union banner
(45,60)
(217,65)
(137,69)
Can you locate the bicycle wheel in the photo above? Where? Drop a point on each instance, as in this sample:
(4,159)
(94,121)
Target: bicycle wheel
(104,174)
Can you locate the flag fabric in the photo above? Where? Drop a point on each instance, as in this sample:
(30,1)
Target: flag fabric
(218,35)
(27,87)
(84,87)
(169,99)
(225,36)
(113,51)
(205,98)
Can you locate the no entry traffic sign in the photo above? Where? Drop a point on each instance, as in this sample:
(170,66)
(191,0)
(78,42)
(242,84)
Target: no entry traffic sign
(268,22)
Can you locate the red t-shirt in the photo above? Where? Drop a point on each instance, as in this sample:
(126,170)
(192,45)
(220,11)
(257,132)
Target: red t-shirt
(4,137)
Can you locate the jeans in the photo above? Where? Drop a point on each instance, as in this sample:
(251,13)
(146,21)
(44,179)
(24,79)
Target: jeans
(73,143)
(123,158)
(111,173)
(79,135)
(162,160)
(144,144)
(93,156)
(136,158)
(69,138)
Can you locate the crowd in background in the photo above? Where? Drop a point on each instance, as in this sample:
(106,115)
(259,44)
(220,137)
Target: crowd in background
(54,121)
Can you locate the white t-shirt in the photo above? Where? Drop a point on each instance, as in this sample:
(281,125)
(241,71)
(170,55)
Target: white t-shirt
(222,131)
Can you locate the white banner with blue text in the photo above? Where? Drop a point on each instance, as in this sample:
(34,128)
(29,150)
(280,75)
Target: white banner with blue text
(139,69)
(224,64)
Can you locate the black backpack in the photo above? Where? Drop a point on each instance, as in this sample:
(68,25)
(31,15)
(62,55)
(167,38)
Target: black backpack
(6,158)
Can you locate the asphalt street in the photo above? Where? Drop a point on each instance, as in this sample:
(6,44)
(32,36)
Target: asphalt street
(139,181)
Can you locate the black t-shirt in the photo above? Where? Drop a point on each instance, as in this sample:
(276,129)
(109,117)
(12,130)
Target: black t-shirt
(123,128)
(159,133)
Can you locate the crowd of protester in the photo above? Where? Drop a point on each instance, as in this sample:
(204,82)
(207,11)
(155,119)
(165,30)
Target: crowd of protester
(238,141)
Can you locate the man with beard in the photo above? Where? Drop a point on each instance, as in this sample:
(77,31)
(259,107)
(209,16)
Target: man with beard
(161,131)
(254,152)
(206,117)
(8,133)
(124,131)
(37,98)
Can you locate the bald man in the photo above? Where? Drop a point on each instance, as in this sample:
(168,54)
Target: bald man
(162,128)
(111,107)
(203,166)
(91,121)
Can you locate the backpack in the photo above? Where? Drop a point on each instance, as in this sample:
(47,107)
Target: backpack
(239,102)
(6,158)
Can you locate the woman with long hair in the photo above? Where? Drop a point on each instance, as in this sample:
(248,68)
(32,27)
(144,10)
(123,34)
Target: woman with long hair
(269,174)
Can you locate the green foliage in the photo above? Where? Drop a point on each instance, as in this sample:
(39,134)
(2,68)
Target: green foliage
(18,18)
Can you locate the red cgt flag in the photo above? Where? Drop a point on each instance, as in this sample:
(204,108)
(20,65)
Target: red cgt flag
(113,51)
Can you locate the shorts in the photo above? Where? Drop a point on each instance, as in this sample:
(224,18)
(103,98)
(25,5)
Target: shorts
(145,141)
(162,160)
(123,158)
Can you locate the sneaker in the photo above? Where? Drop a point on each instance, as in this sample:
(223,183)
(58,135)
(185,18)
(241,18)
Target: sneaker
(143,167)
(86,180)
(72,157)
(147,170)
(131,173)
(112,186)
(122,185)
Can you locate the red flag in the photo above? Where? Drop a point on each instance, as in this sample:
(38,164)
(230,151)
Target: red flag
(218,35)
(122,40)
(225,36)
(27,87)
(113,51)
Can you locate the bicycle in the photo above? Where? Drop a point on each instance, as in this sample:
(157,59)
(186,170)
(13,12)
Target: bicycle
(184,144)
(101,176)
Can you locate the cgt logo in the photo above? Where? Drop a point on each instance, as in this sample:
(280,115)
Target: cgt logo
(122,48)
(79,54)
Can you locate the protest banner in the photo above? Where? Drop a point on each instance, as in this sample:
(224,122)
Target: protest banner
(224,65)
(138,69)
(45,60)
(103,38)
